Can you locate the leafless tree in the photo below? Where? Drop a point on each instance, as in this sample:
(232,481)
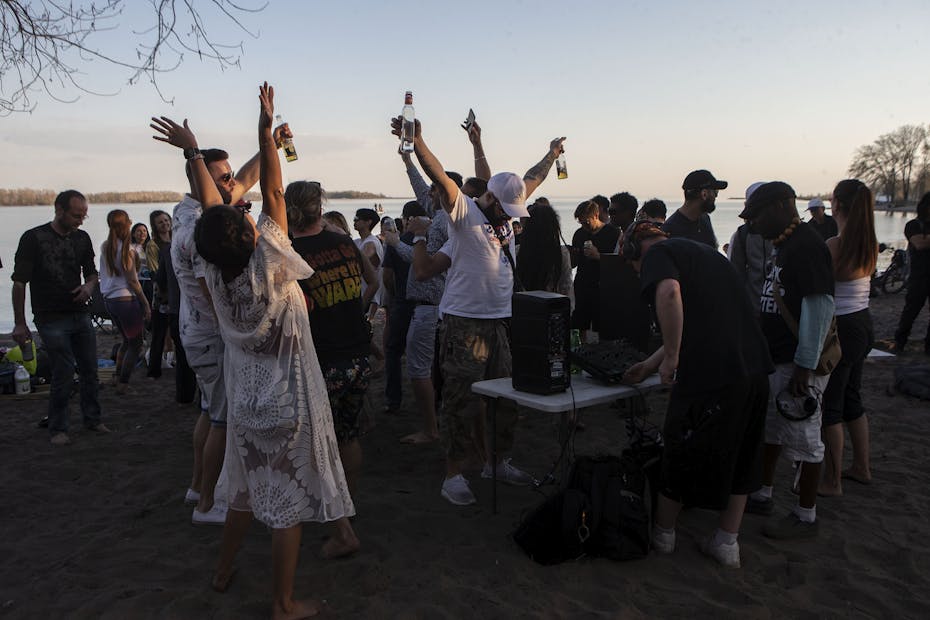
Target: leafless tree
(896,163)
(46,46)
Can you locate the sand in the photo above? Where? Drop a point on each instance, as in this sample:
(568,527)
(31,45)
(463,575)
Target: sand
(97,529)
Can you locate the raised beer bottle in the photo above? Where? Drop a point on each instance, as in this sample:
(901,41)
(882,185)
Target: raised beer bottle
(560,167)
(290,153)
(408,126)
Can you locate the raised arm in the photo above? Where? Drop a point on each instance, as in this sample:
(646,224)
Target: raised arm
(448,190)
(182,137)
(482,167)
(270,165)
(250,171)
(537,174)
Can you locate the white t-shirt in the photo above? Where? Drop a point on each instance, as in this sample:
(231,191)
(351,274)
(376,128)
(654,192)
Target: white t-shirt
(374,242)
(196,319)
(479,284)
(112,285)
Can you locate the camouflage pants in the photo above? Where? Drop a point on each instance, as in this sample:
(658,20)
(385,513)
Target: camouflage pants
(472,350)
(346,383)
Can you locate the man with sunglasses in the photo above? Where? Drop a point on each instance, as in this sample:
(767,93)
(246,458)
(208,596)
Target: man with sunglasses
(692,219)
(476,308)
(198,325)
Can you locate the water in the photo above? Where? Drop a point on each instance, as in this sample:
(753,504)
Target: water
(16,220)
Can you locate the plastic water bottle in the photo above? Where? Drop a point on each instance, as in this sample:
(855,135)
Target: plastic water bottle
(408,128)
(21,377)
(290,152)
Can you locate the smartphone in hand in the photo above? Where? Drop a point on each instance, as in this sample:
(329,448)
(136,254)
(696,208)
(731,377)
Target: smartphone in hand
(469,120)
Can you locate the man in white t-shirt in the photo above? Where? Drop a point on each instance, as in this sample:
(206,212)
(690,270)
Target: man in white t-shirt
(475,309)
(364,222)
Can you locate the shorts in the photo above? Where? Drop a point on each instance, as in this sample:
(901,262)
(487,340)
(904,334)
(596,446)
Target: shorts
(205,357)
(421,341)
(346,383)
(472,350)
(713,443)
(800,439)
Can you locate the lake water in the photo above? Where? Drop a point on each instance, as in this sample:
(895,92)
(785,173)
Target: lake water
(16,220)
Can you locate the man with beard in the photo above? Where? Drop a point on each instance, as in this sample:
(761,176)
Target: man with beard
(692,219)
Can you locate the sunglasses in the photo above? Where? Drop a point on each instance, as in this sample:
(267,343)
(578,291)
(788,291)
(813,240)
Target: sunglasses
(245,207)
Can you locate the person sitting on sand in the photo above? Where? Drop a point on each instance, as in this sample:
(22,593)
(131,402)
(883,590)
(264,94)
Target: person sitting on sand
(854,251)
(285,469)
(717,359)
(799,283)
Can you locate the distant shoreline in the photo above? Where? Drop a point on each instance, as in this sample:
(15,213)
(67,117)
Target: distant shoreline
(46,197)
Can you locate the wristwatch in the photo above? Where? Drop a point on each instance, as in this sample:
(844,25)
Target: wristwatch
(191,152)
(418,239)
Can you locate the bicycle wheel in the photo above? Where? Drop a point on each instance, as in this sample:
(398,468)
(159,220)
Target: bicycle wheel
(893,280)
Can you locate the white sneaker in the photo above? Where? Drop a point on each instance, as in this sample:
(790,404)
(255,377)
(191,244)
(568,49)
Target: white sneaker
(663,542)
(214,516)
(509,474)
(456,491)
(192,497)
(726,554)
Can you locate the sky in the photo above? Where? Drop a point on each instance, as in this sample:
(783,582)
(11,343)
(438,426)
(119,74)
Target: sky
(644,92)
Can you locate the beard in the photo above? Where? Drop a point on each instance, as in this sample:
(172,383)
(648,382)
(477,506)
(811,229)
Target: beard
(708,206)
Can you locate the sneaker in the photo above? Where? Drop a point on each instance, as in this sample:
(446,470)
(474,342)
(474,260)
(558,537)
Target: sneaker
(192,497)
(790,526)
(214,516)
(456,491)
(509,474)
(60,439)
(663,542)
(99,428)
(765,506)
(726,554)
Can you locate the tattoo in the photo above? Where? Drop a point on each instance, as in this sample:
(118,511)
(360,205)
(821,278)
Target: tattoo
(540,170)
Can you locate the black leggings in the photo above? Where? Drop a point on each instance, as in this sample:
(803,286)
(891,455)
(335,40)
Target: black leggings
(842,401)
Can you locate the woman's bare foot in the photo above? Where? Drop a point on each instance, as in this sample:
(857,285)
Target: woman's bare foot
(857,476)
(826,489)
(222,579)
(419,437)
(339,546)
(296,610)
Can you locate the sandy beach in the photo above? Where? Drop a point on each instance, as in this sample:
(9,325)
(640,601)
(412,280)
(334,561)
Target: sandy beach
(98,529)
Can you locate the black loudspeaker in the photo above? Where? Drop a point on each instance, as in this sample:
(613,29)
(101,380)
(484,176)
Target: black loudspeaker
(539,342)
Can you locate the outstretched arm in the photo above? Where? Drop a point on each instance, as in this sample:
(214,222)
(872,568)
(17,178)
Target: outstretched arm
(182,137)
(249,172)
(448,190)
(270,165)
(482,167)
(537,174)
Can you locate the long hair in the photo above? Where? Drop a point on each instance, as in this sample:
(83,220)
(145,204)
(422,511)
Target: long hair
(153,229)
(858,245)
(539,263)
(118,239)
(148,234)
(337,219)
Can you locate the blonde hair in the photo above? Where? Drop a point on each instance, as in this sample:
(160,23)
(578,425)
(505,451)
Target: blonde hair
(118,221)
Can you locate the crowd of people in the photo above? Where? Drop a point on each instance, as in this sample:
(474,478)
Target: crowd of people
(270,320)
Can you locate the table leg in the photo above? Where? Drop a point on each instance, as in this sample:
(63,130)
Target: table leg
(492,410)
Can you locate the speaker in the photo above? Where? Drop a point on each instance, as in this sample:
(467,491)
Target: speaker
(540,341)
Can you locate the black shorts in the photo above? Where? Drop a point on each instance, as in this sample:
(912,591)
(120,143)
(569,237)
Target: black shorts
(713,444)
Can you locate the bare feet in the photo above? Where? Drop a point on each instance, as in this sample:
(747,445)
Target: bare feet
(420,437)
(339,546)
(857,476)
(296,610)
(222,579)
(829,490)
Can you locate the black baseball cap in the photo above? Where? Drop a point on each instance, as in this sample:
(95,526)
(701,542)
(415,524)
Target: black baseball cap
(702,179)
(766,195)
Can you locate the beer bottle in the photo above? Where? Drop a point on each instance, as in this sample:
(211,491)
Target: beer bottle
(290,153)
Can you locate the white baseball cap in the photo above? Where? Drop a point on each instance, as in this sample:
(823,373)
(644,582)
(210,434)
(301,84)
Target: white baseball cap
(815,203)
(510,190)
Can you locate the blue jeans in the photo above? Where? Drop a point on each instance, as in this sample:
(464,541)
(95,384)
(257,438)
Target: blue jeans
(71,341)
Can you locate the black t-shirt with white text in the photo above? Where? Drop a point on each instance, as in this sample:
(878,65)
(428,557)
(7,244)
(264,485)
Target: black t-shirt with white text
(802,267)
(721,340)
(702,231)
(334,293)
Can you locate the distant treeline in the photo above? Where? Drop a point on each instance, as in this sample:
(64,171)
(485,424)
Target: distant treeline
(28,197)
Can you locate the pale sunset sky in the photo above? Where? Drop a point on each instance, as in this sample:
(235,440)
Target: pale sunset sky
(645,91)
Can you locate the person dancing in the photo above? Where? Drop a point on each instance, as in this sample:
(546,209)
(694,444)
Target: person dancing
(285,469)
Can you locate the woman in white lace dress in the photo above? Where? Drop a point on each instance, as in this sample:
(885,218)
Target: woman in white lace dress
(281,456)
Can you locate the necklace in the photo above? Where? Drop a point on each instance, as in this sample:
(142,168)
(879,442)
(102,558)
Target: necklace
(787,232)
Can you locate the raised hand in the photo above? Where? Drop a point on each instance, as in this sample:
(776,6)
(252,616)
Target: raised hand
(555,147)
(474,133)
(180,136)
(266,113)
(398,121)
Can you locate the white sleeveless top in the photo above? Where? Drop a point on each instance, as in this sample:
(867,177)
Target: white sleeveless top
(852,295)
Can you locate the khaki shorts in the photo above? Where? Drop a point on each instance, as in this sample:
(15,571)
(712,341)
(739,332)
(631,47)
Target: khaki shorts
(205,357)
(800,439)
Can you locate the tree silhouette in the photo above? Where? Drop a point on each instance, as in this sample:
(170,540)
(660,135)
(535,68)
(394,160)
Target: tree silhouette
(46,45)
(896,163)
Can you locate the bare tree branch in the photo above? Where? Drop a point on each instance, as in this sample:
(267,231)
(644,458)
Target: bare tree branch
(896,163)
(45,43)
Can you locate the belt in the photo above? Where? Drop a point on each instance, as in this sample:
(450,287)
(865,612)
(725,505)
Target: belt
(421,302)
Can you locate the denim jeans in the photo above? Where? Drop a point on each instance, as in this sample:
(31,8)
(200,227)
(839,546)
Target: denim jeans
(70,341)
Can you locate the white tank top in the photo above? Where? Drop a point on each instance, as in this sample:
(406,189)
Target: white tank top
(852,295)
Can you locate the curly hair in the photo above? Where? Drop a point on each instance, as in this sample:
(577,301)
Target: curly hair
(224,237)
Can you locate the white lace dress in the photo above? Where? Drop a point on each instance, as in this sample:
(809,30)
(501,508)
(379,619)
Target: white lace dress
(281,453)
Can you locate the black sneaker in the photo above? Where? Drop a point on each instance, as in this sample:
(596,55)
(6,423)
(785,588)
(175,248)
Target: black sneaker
(790,526)
(763,507)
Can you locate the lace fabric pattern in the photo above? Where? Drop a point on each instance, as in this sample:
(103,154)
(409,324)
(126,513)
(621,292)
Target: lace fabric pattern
(282,458)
